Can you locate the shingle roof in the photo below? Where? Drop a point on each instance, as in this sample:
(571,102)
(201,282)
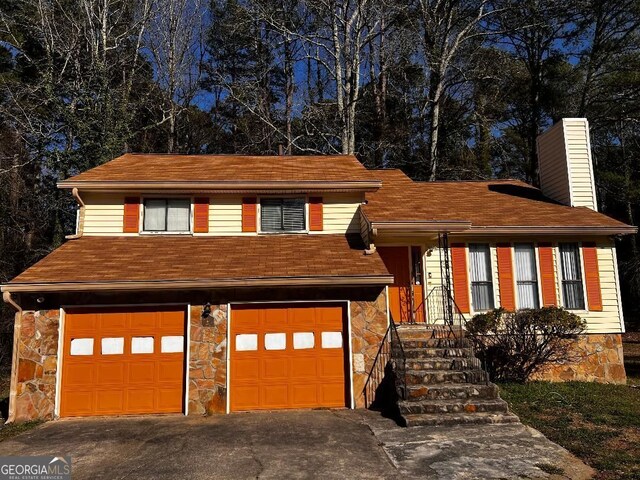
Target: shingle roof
(495,203)
(216,260)
(227,168)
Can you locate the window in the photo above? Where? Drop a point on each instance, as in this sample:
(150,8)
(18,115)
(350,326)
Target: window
(526,276)
(282,214)
(572,291)
(112,346)
(81,346)
(331,339)
(142,344)
(303,340)
(167,214)
(481,282)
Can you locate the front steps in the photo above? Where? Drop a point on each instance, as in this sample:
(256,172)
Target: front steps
(445,383)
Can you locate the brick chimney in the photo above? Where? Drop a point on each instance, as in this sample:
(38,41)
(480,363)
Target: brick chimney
(565,164)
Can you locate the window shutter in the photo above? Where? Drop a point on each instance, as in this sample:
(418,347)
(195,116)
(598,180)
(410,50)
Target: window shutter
(592,276)
(201,215)
(460,276)
(131,215)
(547,275)
(505,276)
(249,214)
(315,214)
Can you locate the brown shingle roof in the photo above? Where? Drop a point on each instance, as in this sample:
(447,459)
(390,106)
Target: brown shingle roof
(227,168)
(214,260)
(496,203)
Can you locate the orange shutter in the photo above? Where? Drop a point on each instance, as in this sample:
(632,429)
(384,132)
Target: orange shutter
(131,215)
(460,276)
(249,214)
(315,213)
(201,215)
(505,277)
(592,276)
(547,275)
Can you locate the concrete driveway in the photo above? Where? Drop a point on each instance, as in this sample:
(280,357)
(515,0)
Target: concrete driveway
(296,444)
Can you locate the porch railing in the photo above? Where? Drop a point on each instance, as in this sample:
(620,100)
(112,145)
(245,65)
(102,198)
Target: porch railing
(390,364)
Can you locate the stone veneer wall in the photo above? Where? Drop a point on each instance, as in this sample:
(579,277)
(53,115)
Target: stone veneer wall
(208,361)
(35,381)
(599,359)
(368,327)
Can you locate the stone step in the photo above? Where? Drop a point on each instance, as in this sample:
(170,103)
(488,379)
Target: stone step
(436,343)
(496,405)
(428,377)
(434,352)
(443,363)
(449,391)
(434,419)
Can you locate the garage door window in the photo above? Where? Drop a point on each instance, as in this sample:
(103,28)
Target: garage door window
(246,342)
(303,340)
(172,344)
(112,346)
(331,339)
(81,346)
(142,345)
(275,341)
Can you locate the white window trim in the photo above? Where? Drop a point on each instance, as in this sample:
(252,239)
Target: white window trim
(259,230)
(141,229)
(494,287)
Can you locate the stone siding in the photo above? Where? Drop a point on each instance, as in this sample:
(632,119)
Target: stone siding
(208,361)
(35,381)
(368,327)
(599,359)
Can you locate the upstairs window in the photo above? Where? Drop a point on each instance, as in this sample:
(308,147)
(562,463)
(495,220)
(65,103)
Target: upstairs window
(526,276)
(481,281)
(282,215)
(572,290)
(167,214)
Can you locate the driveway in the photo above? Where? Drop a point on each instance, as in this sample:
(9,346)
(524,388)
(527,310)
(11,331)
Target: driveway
(296,444)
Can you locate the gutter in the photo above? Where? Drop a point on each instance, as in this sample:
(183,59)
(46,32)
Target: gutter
(196,284)
(17,325)
(547,230)
(223,186)
(430,226)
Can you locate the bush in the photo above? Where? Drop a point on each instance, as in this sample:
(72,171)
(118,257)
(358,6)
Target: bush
(515,345)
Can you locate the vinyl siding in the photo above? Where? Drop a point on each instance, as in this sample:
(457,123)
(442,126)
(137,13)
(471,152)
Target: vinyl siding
(364,228)
(576,132)
(341,213)
(554,172)
(104,214)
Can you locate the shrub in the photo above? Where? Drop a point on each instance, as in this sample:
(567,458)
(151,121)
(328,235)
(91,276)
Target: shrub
(514,345)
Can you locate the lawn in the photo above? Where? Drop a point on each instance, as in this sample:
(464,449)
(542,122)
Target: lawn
(598,423)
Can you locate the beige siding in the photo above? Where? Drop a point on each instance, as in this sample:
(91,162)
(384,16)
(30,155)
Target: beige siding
(225,215)
(364,228)
(104,214)
(554,173)
(576,132)
(341,213)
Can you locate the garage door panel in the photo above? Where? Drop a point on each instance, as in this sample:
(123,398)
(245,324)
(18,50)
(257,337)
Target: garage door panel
(270,373)
(123,382)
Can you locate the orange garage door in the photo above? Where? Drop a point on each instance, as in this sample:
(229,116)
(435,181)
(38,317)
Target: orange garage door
(119,361)
(288,356)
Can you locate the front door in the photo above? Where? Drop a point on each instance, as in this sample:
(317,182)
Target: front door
(406,299)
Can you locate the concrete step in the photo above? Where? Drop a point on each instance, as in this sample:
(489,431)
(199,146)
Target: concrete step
(434,419)
(449,391)
(443,363)
(429,377)
(434,352)
(496,405)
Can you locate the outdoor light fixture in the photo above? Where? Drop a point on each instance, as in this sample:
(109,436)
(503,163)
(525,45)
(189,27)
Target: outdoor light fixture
(206,310)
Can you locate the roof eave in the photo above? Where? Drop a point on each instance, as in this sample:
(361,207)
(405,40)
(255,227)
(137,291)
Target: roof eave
(552,230)
(221,187)
(355,280)
(421,226)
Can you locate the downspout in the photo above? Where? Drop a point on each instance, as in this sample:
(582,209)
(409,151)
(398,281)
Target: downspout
(13,389)
(80,219)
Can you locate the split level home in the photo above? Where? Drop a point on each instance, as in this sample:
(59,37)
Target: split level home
(202,284)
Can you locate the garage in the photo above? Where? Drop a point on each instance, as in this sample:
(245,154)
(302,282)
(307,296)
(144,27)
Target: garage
(285,356)
(120,361)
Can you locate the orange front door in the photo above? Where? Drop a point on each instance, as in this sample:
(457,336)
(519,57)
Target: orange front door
(120,361)
(401,304)
(288,356)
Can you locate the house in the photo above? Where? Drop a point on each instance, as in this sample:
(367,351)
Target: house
(220,283)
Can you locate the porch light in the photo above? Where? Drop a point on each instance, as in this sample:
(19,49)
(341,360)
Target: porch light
(206,310)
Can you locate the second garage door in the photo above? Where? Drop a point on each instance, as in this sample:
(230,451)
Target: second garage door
(123,361)
(288,356)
